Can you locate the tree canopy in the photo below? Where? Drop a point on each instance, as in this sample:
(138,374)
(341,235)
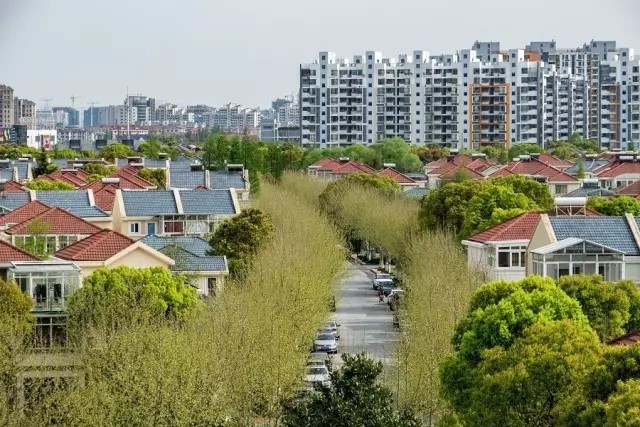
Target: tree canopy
(240,237)
(355,398)
(120,297)
(45,184)
(156,176)
(614,206)
(43,164)
(116,151)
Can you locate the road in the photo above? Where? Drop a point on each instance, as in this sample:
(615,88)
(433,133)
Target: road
(366,323)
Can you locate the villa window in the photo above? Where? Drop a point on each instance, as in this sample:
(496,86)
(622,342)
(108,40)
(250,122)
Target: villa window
(511,256)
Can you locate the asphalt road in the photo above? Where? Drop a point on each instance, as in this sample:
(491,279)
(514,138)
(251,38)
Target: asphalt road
(366,323)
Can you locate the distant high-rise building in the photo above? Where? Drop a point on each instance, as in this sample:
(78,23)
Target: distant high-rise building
(66,116)
(474,97)
(282,121)
(144,108)
(110,115)
(25,113)
(234,118)
(7,106)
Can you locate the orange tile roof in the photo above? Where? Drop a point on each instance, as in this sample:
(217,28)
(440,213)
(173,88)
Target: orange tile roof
(58,220)
(399,177)
(10,253)
(555,175)
(478,165)
(130,180)
(521,227)
(24,212)
(327,163)
(353,166)
(550,160)
(458,159)
(99,247)
(632,189)
(501,172)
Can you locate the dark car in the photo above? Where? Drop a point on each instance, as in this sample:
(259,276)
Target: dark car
(387,288)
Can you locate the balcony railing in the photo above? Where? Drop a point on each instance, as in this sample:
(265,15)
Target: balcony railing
(49,304)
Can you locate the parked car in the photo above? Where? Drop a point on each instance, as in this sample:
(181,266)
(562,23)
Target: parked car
(317,374)
(326,343)
(335,328)
(382,282)
(387,288)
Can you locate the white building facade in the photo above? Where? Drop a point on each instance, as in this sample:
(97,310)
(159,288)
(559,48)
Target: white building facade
(474,97)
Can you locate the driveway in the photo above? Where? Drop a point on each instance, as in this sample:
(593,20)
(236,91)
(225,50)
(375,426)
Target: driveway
(366,323)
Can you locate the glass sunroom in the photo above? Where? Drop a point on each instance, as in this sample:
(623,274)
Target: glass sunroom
(578,256)
(49,284)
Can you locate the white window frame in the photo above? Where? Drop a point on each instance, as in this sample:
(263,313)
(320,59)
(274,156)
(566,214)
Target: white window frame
(519,251)
(131,228)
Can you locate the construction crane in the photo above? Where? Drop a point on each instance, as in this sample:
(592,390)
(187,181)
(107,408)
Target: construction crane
(73,101)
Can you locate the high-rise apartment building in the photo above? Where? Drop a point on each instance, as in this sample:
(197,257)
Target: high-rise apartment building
(144,109)
(110,115)
(474,97)
(234,118)
(281,122)
(24,113)
(7,106)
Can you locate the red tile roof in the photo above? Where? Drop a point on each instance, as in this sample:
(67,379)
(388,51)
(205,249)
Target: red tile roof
(631,338)
(130,180)
(550,160)
(521,227)
(533,167)
(24,213)
(398,177)
(353,166)
(451,173)
(14,187)
(99,247)
(10,253)
(478,165)
(616,169)
(501,172)
(458,159)
(632,189)
(58,221)
(555,175)
(326,164)
(105,197)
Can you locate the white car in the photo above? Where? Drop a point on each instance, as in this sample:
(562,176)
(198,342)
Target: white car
(317,374)
(333,326)
(326,343)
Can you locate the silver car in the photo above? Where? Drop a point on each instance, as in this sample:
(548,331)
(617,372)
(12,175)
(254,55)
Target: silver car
(317,375)
(334,327)
(326,343)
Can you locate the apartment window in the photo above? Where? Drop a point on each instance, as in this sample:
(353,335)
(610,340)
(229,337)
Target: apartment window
(560,188)
(323,85)
(323,57)
(508,256)
(370,122)
(465,56)
(370,76)
(464,75)
(370,57)
(323,131)
(323,122)
(418,131)
(465,93)
(513,74)
(418,84)
(417,102)
(323,76)
(417,93)
(324,67)
(370,66)
(134,228)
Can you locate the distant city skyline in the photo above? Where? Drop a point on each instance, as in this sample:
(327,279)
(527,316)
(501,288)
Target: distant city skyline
(249,53)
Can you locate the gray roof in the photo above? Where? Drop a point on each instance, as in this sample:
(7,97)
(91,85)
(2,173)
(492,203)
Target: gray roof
(591,192)
(221,180)
(149,203)
(196,245)
(6,174)
(186,261)
(10,200)
(23,169)
(416,192)
(77,202)
(417,176)
(208,202)
(589,165)
(613,232)
(186,178)
(148,163)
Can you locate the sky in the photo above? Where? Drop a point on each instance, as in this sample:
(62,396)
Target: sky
(249,51)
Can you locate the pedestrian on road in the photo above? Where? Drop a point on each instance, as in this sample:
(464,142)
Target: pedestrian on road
(381,295)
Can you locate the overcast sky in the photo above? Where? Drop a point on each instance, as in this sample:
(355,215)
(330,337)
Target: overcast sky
(248,51)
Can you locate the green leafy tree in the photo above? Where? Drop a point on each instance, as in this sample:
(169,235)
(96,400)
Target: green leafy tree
(36,242)
(479,214)
(605,305)
(216,152)
(521,385)
(150,149)
(355,398)
(499,314)
(240,237)
(65,153)
(116,151)
(534,190)
(89,154)
(520,149)
(98,170)
(121,297)
(633,294)
(581,173)
(396,150)
(156,176)
(623,405)
(45,184)
(445,208)
(614,206)
(43,164)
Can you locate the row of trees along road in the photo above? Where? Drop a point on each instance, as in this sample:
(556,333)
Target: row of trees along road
(531,353)
(434,270)
(154,354)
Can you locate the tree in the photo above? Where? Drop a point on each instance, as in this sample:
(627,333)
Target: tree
(43,164)
(216,152)
(156,176)
(605,305)
(116,151)
(240,237)
(633,294)
(396,150)
(534,190)
(98,170)
(498,316)
(520,149)
(581,174)
(479,214)
(121,297)
(36,242)
(614,206)
(445,208)
(522,385)
(65,153)
(355,398)
(45,184)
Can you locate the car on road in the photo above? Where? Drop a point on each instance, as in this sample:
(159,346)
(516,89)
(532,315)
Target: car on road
(387,288)
(317,374)
(382,282)
(326,343)
(335,328)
